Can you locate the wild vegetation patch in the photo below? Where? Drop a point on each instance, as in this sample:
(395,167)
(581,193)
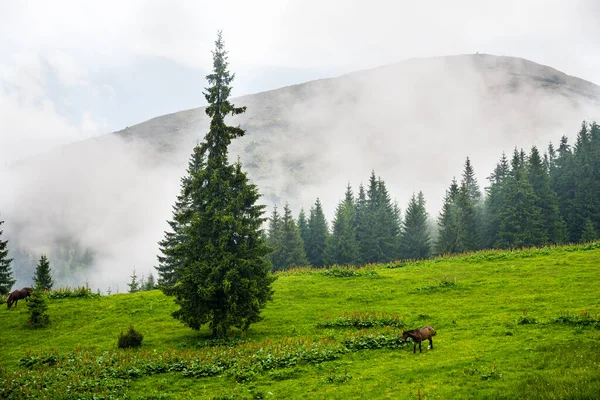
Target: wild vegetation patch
(582,319)
(349,272)
(361,320)
(89,371)
(442,285)
(76,292)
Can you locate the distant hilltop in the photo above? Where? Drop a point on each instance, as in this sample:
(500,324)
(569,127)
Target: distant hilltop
(413,123)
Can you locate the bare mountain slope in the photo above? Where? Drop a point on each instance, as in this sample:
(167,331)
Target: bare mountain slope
(414,123)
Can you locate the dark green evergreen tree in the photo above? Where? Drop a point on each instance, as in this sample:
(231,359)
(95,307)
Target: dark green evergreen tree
(363,222)
(562,176)
(521,220)
(134,285)
(304,230)
(448,223)
(467,221)
(554,226)
(42,277)
(469,181)
(585,203)
(38,318)
(469,209)
(415,238)
(494,202)
(150,283)
(341,245)
(6,278)
(222,274)
(318,232)
(377,223)
(274,239)
(171,258)
(291,248)
(588,233)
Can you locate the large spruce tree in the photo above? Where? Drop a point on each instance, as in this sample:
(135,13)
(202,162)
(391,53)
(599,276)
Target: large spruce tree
(555,228)
(494,202)
(274,239)
(303,227)
(377,223)
(290,252)
(415,239)
(341,245)
(6,279)
(447,241)
(521,219)
(217,255)
(171,258)
(42,276)
(318,231)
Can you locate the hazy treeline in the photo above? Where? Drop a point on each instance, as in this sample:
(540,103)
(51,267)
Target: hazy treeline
(531,200)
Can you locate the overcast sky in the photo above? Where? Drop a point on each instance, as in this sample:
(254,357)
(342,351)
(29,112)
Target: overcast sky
(71,69)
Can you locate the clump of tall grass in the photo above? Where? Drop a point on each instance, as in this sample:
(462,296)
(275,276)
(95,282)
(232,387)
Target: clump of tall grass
(582,319)
(442,285)
(361,320)
(75,292)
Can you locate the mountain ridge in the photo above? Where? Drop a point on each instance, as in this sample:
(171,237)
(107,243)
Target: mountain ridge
(413,123)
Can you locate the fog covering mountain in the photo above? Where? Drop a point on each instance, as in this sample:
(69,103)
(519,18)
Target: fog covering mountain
(98,207)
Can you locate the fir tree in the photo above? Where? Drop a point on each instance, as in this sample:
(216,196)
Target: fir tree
(467,227)
(362,222)
(304,230)
(150,283)
(415,238)
(6,279)
(554,226)
(134,285)
(521,220)
(588,234)
(341,245)
(274,239)
(38,318)
(494,202)
(42,276)
(448,222)
(378,223)
(469,208)
(562,175)
(171,258)
(469,181)
(218,255)
(291,248)
(318,231)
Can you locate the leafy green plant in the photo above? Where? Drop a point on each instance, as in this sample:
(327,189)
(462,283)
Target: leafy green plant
(492,373)
(337,378)
(526,319)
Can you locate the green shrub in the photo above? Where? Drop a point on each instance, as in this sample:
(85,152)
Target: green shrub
(130,339)
(37,309)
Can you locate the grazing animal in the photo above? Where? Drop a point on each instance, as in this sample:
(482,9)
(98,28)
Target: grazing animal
(18,295)
(418,335)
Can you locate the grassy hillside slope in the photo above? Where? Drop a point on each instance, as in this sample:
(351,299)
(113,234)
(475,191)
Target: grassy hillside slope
(521,324)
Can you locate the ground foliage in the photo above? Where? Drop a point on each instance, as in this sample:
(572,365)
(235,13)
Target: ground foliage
(511,322)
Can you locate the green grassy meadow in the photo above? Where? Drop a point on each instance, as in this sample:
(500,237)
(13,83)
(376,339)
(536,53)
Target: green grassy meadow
(522,324)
